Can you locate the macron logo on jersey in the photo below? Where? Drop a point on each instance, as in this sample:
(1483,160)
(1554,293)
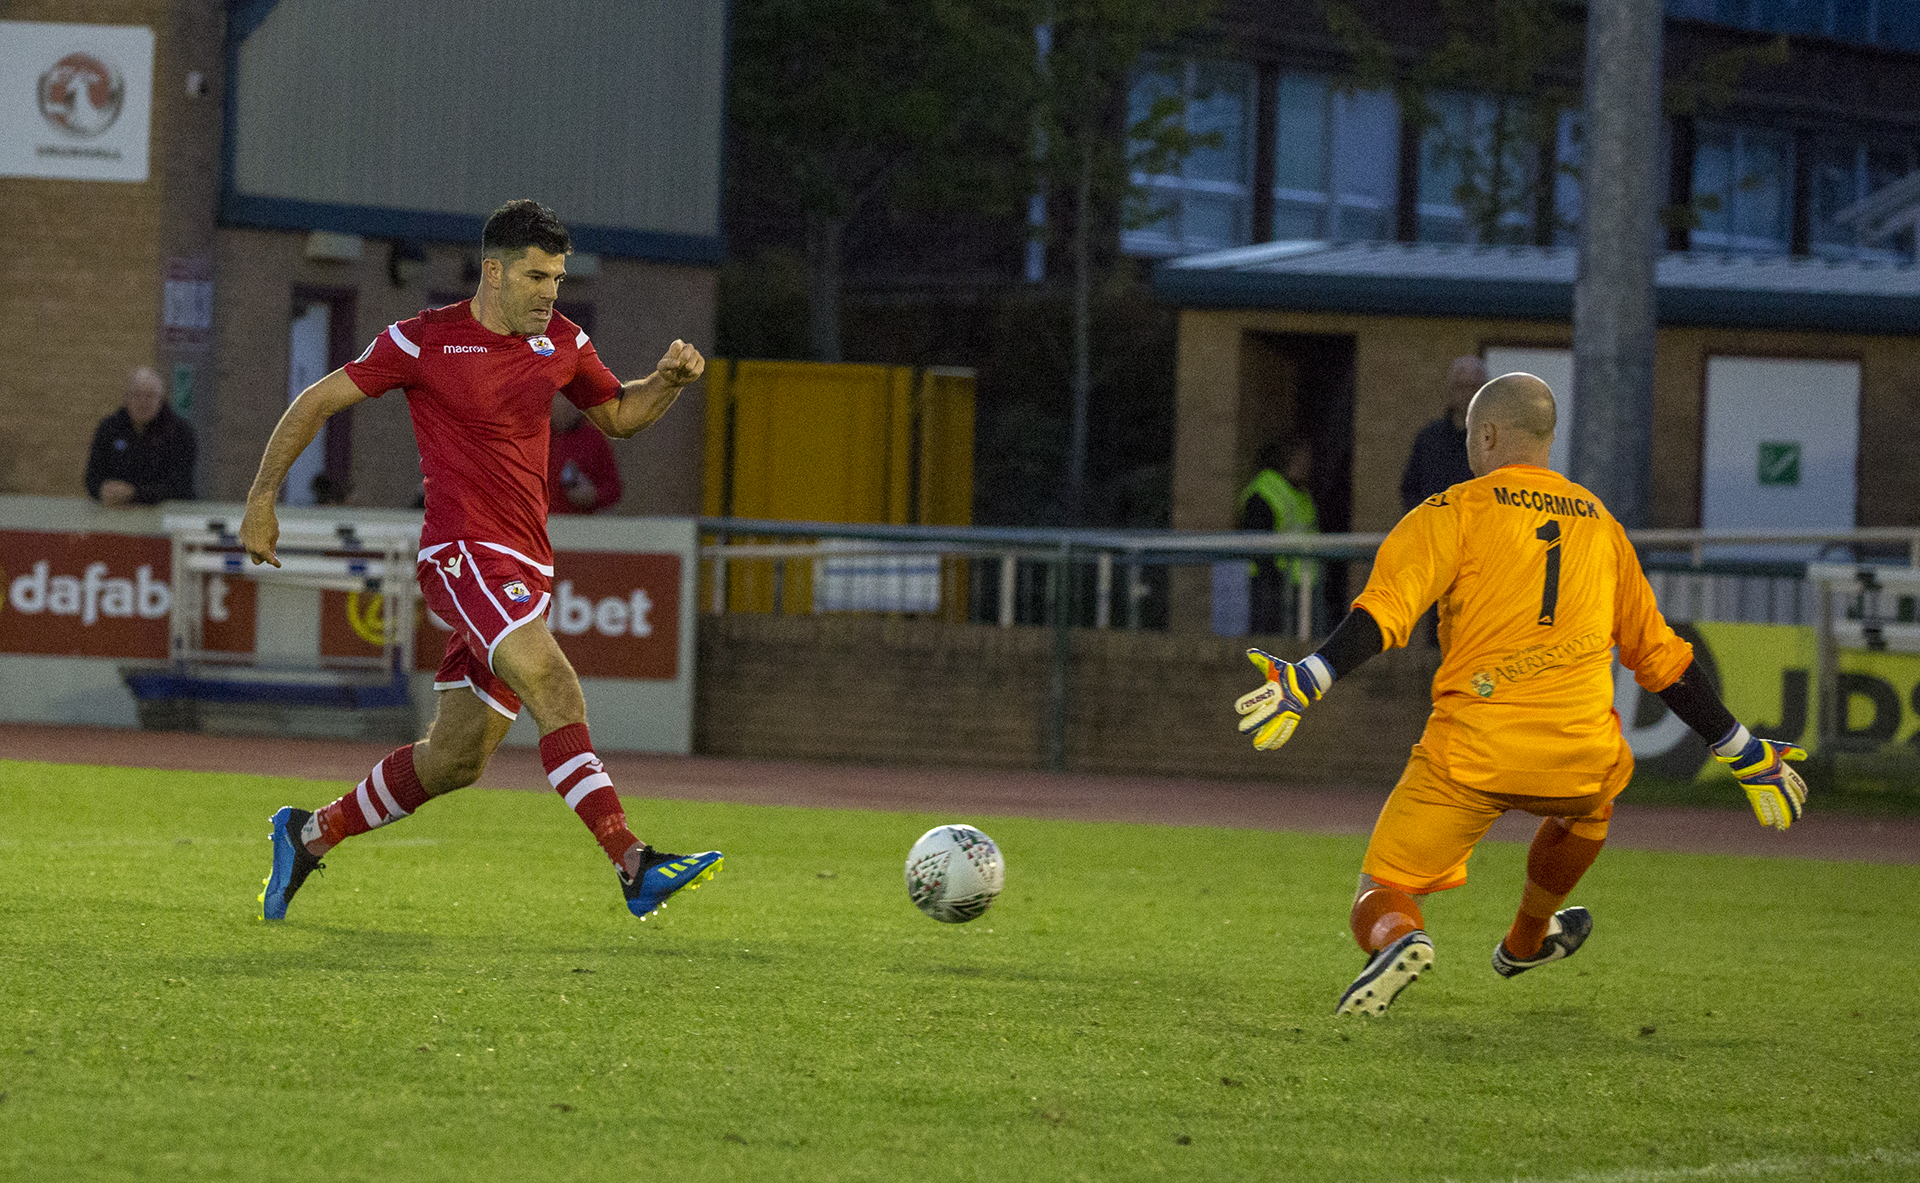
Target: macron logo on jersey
(463,349)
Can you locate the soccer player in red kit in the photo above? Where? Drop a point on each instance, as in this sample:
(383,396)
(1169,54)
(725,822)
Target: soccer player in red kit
(479,378)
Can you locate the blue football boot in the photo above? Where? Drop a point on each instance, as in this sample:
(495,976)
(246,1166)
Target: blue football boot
(291,863)
(663,874)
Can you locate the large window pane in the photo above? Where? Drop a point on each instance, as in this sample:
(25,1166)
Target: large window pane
(1478,151)
(1300,134)
(1442,147)
(1832,185)
(1366,149)
(1299,219)
(1712,181)
(1763,197)
(1566,178)
(1841,172)
(1899,24)
(1211,222)
(1743,188)
(1205,202)
(1336,161)
(1220,106)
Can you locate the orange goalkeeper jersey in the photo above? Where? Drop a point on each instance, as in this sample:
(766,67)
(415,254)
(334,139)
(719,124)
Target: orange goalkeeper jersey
(1537,585)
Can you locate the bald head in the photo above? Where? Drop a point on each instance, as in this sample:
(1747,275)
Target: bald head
(1510,421)
(145,395)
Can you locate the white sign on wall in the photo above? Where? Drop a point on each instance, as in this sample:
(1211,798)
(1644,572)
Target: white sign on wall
(76,101)
(1782,435)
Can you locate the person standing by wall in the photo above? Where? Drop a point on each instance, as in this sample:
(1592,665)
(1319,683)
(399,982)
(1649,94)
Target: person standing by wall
(582,475)
(1438,460)
(142,453)
(1277,501)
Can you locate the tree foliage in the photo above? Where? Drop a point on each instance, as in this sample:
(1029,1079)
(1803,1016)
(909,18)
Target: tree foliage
(855,104)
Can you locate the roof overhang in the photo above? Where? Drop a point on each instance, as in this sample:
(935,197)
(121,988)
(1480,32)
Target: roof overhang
(1534,283)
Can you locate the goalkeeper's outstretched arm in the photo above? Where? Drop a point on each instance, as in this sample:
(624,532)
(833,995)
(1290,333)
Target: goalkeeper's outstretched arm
(1775,791)
(1272,712)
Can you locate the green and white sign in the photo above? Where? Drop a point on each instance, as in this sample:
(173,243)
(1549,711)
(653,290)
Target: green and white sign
(1780,462)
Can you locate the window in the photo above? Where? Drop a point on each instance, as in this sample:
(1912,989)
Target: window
(1569,150)
(1477,149)
(1893,23)
(1335,161)
(1742,189)
(1839,173)
(1208,203)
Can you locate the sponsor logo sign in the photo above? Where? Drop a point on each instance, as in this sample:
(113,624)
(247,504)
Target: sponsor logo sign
(82,95)
(1766,675)
(75,100)
(616,615)
(105,595)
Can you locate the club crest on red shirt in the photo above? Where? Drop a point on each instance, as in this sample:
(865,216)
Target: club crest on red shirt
(517,592)
(541,345)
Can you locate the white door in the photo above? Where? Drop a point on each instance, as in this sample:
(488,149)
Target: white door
(1782,435)
(1555,368)
(307,364)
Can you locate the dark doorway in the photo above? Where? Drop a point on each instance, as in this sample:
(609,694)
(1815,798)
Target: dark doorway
(1300,386)
(321,339)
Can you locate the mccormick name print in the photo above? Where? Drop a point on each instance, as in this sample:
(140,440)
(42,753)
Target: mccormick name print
(541,345)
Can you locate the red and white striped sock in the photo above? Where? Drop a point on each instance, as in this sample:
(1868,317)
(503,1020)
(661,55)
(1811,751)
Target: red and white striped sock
(582,781)
(390,792)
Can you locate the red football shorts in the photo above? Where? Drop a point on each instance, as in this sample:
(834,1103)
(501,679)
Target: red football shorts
(483,591)
(1430,824)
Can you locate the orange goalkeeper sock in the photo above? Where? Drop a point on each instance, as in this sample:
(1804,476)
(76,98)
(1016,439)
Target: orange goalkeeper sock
(1382,916)
(1555,862)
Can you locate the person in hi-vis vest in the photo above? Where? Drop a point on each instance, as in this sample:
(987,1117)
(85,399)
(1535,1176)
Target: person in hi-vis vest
(1277,499)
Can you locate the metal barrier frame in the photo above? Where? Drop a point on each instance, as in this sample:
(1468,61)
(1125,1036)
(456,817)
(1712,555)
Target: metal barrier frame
(337,556)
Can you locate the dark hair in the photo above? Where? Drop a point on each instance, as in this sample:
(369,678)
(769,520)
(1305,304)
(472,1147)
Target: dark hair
(517,225)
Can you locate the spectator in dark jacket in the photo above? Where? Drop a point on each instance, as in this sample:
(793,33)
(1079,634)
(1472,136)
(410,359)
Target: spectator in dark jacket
(1439,457)
(142,453)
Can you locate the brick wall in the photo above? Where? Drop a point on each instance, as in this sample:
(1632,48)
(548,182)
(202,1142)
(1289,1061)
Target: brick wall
(82,301)
(926,692)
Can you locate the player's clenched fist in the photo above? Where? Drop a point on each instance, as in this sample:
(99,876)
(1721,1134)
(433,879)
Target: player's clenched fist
(259,532)
(1272,712)
(1776,791)
(682,364)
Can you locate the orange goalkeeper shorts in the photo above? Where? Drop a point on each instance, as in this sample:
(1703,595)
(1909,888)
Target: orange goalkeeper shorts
(1429,826)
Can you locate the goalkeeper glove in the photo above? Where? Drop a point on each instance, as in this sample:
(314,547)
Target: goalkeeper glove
(1760,765)
(1273,711)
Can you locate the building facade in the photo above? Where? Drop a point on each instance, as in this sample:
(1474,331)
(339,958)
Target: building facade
(315,171)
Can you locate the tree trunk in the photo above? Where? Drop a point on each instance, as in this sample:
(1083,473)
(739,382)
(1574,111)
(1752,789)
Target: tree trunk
(1081,379)
(825,236)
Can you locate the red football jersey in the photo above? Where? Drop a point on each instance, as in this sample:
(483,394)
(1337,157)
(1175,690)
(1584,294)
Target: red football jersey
(482,411)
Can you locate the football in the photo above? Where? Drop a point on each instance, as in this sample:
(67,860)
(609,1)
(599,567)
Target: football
(954,873)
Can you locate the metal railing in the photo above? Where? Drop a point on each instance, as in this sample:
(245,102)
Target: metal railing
(1067,579)
(1118,578)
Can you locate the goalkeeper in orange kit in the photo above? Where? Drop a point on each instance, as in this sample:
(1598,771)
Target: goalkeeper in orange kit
(1537,586)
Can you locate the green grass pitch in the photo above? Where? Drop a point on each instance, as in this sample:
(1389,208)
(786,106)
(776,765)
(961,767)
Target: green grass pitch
(463,997)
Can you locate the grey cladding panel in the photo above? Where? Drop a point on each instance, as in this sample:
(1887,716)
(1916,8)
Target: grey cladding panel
(609,112)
